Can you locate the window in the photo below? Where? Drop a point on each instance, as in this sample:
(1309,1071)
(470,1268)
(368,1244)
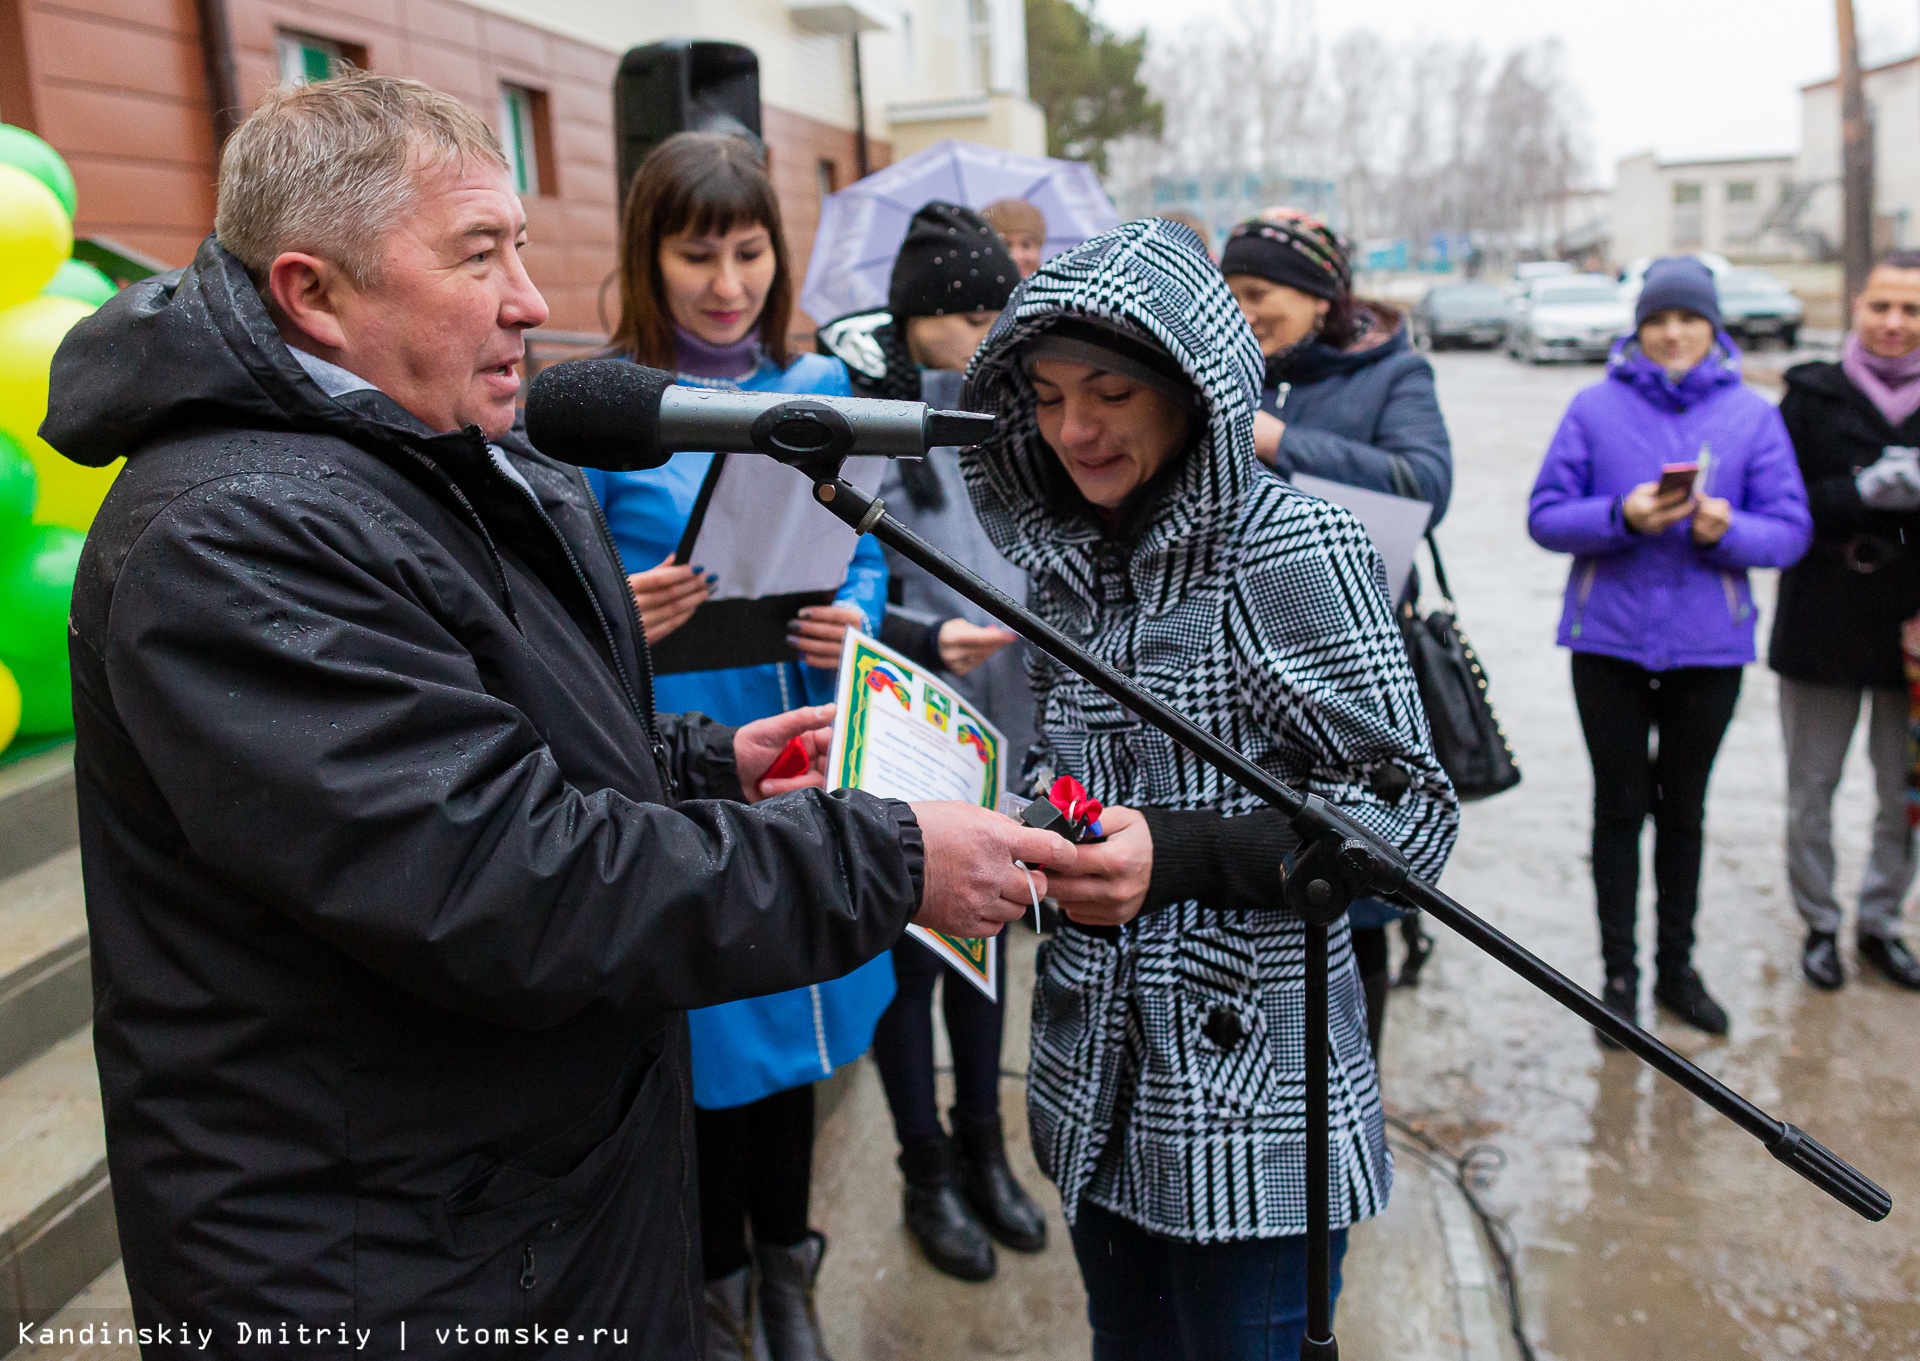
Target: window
(525,137)
(827,175)
(305,58)
(1742,191)
(978,75)
(1743,210)
(1689,227)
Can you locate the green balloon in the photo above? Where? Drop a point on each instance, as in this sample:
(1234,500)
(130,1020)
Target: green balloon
(36,593)
(19,489)
(78,279)
(46,697)
(21,148)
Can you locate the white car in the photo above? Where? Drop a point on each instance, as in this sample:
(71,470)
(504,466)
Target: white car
(1575,316)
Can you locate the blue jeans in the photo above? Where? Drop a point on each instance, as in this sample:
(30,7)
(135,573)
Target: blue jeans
(1159,1299)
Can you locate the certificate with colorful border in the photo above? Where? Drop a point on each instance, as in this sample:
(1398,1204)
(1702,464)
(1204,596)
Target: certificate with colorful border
(901,734)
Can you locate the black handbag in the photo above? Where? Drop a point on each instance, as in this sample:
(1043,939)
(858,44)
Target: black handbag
(1467,736)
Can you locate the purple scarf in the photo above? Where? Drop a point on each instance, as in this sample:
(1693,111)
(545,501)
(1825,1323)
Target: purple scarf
(1893,385)
(697,359)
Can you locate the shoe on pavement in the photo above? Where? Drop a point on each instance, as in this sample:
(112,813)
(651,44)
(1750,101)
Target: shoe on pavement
(1820,961)
(786,1298)
(1681,992)
(939,1217)
(729,1327)
(999,1201)
(1620,996)
(1891,957)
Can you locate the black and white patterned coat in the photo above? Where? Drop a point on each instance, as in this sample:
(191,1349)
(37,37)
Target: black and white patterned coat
(1260,613)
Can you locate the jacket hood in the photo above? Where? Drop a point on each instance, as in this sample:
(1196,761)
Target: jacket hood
(1629,364)
(1148,279)
(1384,334)
(194,346)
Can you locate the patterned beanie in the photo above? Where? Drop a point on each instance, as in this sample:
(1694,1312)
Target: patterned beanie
(1287,246)
(951,261)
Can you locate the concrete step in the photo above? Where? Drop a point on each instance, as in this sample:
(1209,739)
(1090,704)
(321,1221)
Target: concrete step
(46,991)
(57,1230)
(36,809)
(95,1325)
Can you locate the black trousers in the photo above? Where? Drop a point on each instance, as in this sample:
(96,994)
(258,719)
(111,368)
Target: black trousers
(903,1043)
(1687,711)
(756,1167)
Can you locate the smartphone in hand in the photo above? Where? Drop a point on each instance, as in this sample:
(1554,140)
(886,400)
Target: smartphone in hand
(1677,477)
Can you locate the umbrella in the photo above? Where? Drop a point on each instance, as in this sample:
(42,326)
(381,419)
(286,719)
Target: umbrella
(862,226)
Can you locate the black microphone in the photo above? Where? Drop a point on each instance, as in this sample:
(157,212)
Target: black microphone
(612,414)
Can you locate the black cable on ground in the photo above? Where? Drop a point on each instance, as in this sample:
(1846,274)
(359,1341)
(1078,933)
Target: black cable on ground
(1479,1164)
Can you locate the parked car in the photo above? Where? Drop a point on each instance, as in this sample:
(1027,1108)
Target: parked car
(1567,317)
(1459,314)
(1756,305)
(1529,270)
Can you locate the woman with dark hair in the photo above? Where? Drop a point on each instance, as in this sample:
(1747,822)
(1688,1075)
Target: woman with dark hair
(1855,427)
(1345,397)
(706,291)
(1165,1082)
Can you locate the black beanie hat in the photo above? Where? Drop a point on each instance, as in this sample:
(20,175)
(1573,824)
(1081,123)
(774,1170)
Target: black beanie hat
(1287,246)
(951,261)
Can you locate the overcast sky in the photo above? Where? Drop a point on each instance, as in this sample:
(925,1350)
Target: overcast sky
(1685,78)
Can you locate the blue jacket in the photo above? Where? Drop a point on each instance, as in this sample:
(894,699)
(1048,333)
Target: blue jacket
(1352,413)
(743,1051)
(1664,602)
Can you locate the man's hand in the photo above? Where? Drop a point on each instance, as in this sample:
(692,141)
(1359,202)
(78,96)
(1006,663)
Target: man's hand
(667,596)
(1648,512)
(1267,430)
(756,744)
(818,632)
(1108,883)
(972,885)
(964,646)
(1711,520)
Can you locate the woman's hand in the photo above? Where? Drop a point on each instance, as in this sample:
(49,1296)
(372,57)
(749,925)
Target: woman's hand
(1711,520)
(1107,885)
(819,631)
(1648,512)
(667,596)
(964,646)
(1267,430)
(758,744)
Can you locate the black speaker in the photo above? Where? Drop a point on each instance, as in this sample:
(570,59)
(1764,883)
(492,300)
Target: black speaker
(681,86)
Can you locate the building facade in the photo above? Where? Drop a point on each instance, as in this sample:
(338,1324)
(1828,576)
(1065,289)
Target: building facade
(1728,207)
(124,89)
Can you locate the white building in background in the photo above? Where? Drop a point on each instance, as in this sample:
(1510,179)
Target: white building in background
(1783,207)
(962,67)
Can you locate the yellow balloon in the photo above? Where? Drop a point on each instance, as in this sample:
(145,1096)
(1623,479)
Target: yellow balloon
(36,235)
(29,334)
(9,706)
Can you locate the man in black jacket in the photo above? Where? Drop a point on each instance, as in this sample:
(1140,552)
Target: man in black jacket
(398,887)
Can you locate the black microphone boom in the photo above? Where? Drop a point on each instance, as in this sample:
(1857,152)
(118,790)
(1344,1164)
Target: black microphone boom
(612,414)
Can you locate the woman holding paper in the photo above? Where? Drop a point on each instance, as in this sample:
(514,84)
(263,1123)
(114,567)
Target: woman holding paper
(1666,482)
(706,291)
(1167,1020)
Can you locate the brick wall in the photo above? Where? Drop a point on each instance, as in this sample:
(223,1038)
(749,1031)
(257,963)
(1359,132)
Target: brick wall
(119,88)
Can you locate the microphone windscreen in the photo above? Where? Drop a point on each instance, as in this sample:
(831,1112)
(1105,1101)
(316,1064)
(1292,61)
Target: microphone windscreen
(599,413)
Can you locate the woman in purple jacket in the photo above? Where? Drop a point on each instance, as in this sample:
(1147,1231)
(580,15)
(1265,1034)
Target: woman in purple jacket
(1658,611)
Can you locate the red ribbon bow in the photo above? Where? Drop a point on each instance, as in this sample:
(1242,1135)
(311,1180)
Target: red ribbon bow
(1072,799)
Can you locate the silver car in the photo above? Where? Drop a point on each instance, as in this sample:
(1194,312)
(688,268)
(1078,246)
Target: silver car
(1571,317)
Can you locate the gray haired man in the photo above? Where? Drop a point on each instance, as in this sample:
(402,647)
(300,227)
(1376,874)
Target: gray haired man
(398,886)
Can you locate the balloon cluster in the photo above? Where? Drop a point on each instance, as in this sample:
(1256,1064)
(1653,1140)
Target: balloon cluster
(46,502)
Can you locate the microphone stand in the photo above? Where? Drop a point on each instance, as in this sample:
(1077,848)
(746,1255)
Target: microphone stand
(1338,860)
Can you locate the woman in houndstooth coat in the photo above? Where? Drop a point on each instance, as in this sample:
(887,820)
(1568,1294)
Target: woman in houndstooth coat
(1165,1094)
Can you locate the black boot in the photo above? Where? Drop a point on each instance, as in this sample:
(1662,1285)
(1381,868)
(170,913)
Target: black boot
(1373,987)
(1621,996)
(786,1299)
(1820,961)
(729,1320)
(1419,950)
(938,1216)
(1003,1206)
(1679,989)
(1892,958)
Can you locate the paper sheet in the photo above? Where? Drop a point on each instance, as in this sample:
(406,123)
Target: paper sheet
(902,735)
(1394,523)
(765,535)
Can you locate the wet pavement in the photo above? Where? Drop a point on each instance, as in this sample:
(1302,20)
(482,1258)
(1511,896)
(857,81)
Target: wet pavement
(1647,1227)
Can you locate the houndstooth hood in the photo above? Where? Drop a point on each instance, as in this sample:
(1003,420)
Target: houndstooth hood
(1151,278)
